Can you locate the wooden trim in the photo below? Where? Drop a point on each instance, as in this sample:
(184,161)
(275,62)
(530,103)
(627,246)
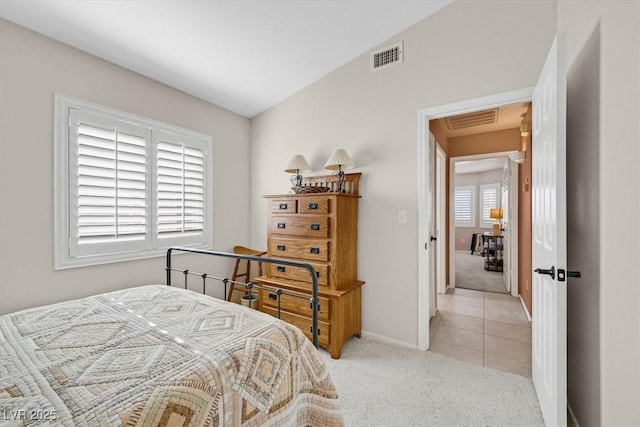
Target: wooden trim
(351,183)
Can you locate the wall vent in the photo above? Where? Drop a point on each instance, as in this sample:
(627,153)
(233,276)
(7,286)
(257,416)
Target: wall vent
(462,121)
(386,56)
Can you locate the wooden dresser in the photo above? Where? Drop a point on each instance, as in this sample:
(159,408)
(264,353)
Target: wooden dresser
(321,229)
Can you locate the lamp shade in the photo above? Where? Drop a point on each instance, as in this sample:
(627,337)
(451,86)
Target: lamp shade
(496,214)
(339,159)
(298,164)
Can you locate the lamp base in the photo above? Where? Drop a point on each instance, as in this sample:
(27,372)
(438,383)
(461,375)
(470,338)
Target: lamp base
(497,229)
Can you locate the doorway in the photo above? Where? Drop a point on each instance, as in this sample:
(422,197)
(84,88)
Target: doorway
(479,320)
(424,218)
(480,221)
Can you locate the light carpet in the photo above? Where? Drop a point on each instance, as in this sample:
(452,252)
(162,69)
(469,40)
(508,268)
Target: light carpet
(470,274)
(385,385)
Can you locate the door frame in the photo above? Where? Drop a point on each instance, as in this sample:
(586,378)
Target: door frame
(441,220)
(513,212)
(424,115)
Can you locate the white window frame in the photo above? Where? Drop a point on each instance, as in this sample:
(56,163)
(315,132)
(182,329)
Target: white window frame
(64,187)
(472,207)
(486,221)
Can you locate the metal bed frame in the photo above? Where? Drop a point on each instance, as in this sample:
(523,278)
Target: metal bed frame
(313,301)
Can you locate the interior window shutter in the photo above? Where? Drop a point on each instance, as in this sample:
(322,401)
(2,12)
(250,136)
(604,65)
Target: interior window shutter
(181,171)
(489,200)
(463,206)
(109,189)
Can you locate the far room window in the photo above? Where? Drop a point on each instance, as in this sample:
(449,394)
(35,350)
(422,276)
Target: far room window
(464,202)
(489,199)
(126,187)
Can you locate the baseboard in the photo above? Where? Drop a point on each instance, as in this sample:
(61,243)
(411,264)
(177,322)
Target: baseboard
(387,340)
(573,422)
(524,306)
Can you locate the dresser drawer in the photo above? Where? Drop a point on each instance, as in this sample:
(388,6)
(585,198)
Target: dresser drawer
(297,248)
(300,274)
(295,304)
(304,323)
(314,205)
(300,225)
(283,206)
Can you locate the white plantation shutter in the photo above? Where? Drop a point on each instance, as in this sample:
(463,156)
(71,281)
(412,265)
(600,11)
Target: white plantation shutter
(110,203)
(180,212)
(126,187)
(489,199)
(463,206)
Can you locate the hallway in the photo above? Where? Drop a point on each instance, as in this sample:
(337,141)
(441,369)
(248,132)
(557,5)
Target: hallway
(484,328)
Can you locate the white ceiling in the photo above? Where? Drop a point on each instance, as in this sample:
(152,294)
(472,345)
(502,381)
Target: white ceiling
(242,55)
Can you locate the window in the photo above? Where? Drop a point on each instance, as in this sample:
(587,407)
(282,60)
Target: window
(126,187)
(464,203)
(489,199)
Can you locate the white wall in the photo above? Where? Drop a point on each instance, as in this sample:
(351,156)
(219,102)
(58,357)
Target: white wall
(32,69)
(616,25)
(466,50)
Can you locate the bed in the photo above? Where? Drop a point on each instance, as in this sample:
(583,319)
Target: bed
(160,355)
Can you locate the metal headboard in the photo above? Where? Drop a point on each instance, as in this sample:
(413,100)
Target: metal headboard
(313,301)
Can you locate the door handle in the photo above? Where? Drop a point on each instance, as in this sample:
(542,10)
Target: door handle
(561,274)
(434,238)
(551,272)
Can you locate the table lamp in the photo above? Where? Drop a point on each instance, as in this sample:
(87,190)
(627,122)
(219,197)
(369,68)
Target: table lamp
(296,165)
(496,214)
(339,160)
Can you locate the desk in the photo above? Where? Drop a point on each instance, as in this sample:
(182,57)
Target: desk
(492,247)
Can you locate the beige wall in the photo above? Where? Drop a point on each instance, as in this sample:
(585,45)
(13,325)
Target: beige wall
(466,50)
(32,69)
(485,143)
(606,35)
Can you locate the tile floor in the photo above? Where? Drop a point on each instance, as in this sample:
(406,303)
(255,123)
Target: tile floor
(485,328)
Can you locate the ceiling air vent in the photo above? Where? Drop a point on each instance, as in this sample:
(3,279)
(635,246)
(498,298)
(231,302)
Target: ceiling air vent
(386,57)
(462,121)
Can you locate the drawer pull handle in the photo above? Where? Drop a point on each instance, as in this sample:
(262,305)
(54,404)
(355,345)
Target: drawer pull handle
(281,247)
(281,269)
(283,206)
(313,206)
(314,250)
(281,225)
(273,296)
(315,227)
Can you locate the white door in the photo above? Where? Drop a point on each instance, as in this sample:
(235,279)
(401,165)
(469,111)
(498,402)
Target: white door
(549,328)
(441,220)
(432,226)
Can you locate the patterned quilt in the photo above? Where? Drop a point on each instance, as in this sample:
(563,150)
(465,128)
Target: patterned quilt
(157,356)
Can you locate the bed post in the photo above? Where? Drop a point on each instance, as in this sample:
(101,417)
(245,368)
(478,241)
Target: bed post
(168,268)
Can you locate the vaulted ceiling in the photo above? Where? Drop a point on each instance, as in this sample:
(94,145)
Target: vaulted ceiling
(242,55)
